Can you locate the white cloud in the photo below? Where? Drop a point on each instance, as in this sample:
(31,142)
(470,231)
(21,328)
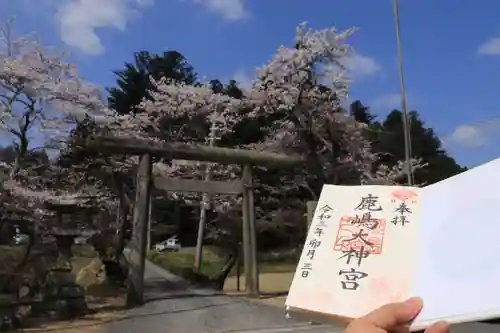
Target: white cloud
(243,79)
(232,10)
(360,66)
(392,101)
(78,20)
(387,102)
(467,136)
(473,136)
(490,47)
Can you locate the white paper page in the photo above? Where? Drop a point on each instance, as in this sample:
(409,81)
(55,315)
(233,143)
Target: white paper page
(458,263)
(339,273)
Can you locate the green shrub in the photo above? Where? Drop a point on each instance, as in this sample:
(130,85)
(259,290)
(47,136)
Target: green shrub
(181,263)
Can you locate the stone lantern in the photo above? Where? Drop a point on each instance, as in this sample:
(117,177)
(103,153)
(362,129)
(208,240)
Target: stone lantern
(61,294)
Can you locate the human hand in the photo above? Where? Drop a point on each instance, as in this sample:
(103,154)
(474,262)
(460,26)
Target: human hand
(394,317)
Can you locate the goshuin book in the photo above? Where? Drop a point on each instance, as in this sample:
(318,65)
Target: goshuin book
(371,245)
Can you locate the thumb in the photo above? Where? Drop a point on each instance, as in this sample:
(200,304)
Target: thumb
(395,314)
(439,327)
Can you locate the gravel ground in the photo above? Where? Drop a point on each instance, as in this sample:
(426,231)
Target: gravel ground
(173,307)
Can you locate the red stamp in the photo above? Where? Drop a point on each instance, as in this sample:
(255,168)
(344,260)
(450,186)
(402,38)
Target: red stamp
(353,235)
(404,194)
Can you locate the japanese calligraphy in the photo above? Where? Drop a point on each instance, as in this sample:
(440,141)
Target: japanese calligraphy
(319,232)
(314,244)
(325,212)
(365,220)
(310,254)
(353,236)
(306,269)
(361,236)
(370,203)
(353,254)
(351,278)
(402,217)
(358,237)
(357,255)
(403,210)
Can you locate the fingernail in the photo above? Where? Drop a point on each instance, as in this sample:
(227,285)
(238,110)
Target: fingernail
(414,301)
(413,305)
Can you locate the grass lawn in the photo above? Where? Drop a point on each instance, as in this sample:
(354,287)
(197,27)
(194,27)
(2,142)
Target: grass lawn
(275,267)
(274,277)
(212,262)
(273,286)
(176,262)
(269,283)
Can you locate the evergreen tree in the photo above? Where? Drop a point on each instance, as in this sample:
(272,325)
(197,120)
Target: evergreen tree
(388,140)
(133,82)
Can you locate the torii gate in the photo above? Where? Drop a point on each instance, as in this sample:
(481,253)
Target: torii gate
(147,150)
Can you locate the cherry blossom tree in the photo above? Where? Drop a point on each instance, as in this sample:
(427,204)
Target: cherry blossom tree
(113,176)
(42,99)
(302,88)
(182,113)
(308,84)
(41,95)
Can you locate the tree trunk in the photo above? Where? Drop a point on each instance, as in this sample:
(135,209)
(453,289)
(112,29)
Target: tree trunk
(203,212)
(137,258)
(220,279)
(123,222)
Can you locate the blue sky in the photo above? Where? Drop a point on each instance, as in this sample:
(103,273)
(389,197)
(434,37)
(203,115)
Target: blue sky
(452,53)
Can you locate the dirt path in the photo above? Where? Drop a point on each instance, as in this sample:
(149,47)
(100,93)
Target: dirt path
(174,307)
